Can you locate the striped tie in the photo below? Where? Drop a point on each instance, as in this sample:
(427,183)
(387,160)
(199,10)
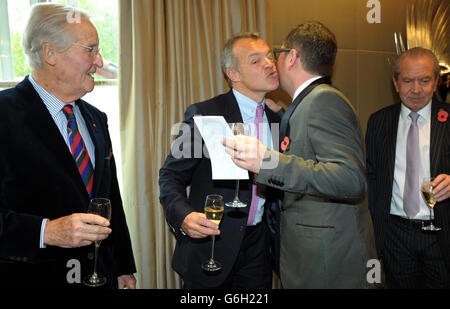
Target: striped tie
(78,150)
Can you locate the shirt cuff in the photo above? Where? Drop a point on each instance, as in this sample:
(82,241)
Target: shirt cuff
(41,240)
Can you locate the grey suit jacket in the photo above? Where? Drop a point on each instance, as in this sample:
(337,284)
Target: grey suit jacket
(326,229)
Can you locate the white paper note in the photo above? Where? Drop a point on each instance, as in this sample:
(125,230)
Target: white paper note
(213,129)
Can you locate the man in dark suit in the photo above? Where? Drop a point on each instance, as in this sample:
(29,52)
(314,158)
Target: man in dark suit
(243,247)
(413,258)
(44,190)
(325,227)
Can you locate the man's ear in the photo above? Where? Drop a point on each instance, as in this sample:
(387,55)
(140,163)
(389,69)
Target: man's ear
(48,54)
(292,58)
(233,75)
(395,83)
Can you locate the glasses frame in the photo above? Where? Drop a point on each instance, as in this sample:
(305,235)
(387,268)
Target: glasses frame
(93,51)
(276,51)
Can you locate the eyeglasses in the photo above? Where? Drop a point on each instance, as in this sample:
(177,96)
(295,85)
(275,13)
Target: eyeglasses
(280,50)
(93,51)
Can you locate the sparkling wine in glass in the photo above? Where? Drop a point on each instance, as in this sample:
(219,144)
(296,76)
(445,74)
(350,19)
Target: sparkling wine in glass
(237,129)
(428,197)
(214,211)
(101,207)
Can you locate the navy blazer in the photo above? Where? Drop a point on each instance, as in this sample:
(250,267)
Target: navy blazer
(179,173)
(39,179)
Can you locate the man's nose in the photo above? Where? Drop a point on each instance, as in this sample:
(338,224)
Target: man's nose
(98,61)
(416,87)
(269,63)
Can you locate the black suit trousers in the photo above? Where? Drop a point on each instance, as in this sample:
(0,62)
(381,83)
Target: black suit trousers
(252,268)
(413,258)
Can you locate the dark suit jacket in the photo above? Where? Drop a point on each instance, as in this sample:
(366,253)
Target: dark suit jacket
(381,138)
(177,174)
(39,179)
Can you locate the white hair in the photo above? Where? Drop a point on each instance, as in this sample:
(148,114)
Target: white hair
(49,23)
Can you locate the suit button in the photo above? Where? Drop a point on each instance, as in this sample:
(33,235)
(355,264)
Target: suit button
(241,228)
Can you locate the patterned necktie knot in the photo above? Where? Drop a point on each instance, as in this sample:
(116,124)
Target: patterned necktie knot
(414,116)
(68,112)
(259,111)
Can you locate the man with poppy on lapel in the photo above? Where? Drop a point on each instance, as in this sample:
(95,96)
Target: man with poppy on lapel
(325,230)
(55,155)
(405,143)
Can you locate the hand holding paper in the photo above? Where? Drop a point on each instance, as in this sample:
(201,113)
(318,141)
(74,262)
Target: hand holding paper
(246,152)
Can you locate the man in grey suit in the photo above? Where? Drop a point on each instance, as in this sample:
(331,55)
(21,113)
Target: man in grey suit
(326,229)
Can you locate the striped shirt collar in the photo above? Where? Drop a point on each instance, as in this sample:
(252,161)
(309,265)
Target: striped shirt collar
(53,104)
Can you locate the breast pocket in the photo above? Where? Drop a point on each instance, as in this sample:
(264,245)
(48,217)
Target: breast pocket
(324,233)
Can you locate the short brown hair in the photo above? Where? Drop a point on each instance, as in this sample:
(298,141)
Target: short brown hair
(316,45)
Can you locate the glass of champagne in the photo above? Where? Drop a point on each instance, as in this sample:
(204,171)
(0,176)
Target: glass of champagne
(101,207)
(427,194)
(214,211)
(238,129)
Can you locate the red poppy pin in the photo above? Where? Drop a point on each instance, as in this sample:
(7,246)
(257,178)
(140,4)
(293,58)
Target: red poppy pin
(442,116)
(285,143)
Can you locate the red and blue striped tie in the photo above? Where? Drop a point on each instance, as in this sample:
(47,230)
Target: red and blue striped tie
(78,150)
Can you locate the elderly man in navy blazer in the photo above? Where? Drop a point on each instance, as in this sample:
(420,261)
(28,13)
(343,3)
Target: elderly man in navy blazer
(49,170)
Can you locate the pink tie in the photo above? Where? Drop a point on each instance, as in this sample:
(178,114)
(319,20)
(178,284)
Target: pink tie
(255,198)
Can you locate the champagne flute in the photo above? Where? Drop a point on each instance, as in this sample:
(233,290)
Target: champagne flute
(214,212)
(427,194)
(237,129)
(101,207)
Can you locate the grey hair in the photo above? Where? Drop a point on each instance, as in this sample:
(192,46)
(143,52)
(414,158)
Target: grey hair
(228,60)
(416,52)
(49,23)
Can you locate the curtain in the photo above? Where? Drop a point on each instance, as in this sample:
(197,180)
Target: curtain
(169,59)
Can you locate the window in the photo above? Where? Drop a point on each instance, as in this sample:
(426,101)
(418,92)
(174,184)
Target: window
(104,15)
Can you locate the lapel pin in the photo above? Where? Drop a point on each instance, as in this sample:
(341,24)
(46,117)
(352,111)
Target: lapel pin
(442,116)
(94,125)
(285,143)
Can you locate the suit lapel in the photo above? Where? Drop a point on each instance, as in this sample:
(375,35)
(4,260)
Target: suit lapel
(230,108)
(390,138)
(40,121)
(436,137)
(284,126)
(274,130)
